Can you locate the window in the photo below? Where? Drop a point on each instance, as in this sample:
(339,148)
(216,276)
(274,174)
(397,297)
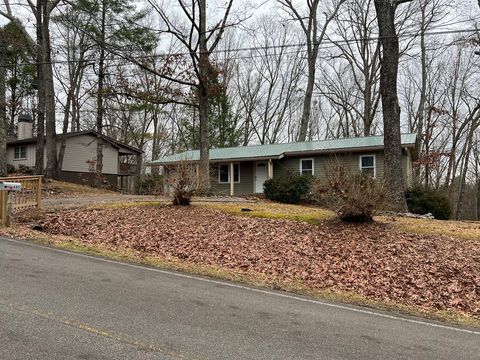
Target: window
(224,173)
(367,164)
(306,167)
(20,152)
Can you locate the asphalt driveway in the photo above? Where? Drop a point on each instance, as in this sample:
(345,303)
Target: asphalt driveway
(58,305)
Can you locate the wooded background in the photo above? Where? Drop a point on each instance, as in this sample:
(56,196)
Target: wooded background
(166,76)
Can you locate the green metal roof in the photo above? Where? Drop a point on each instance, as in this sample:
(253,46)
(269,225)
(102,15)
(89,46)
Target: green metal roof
(278,151)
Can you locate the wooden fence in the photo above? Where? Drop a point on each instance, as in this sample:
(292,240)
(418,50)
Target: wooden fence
(28,197)
(5,211)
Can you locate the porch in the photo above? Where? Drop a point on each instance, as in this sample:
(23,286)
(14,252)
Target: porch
(240,177)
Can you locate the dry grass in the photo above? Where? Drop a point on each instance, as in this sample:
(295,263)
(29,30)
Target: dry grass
(271,210)
(128,204)
(469,230)
(55,188)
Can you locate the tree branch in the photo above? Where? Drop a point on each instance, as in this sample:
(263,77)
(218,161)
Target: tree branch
(399,2)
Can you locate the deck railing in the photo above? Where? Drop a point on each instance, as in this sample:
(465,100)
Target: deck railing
(31,193)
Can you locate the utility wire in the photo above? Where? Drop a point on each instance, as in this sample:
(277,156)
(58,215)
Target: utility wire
(332,43)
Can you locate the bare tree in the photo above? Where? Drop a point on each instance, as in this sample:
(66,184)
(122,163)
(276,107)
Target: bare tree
(356,27)
(42,11)
(75,48)
(199,40)
(473,122)
(431,12)
(385,10)
(270,79)
(315,32)
(338,87)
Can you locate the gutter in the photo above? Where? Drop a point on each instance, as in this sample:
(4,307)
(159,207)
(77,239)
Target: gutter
(219,161)
(343,150)
(287,154)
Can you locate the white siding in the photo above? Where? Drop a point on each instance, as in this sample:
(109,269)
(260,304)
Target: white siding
(80,149)
(29,161)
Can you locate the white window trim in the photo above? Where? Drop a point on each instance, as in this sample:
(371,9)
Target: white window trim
(313,165)
(228,182)
(374,164)
(19,158)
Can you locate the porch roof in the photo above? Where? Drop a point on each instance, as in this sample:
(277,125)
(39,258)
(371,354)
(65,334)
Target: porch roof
(278,151)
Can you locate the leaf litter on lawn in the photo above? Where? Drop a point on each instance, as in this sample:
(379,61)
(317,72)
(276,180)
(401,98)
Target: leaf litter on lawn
(375,260)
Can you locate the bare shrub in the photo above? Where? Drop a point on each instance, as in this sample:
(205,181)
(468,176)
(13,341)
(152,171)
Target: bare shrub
(355,197)
(184,182)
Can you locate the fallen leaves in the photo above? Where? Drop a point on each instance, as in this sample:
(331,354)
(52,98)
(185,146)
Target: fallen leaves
(376,261)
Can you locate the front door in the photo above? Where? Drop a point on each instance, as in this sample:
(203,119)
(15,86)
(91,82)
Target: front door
(261,175)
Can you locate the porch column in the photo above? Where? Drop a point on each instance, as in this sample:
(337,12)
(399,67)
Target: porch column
(166,187)
(270,168)
(232,180)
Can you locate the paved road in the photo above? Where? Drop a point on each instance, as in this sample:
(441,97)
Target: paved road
(59,305)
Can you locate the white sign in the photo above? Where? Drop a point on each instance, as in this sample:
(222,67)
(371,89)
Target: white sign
(10,186)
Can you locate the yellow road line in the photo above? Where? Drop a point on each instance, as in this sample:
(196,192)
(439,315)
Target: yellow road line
(124,338)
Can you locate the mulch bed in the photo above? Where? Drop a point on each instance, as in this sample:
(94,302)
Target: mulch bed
(375,261)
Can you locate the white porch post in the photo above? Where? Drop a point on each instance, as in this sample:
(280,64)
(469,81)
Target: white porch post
(232,180)
(270,168)
(166,175)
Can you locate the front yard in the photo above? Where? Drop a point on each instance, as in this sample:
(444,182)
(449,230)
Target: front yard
(296,248)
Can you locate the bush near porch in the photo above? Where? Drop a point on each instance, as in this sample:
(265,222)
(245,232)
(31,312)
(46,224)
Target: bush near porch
(290,189)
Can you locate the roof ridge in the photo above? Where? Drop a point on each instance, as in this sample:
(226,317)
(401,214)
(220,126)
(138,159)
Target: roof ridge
(286,149)
(295,142)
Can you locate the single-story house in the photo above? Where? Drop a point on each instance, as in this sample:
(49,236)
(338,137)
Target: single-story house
(120,161)
(243,170)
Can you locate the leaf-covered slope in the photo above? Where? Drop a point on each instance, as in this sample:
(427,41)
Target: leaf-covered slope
(375,261)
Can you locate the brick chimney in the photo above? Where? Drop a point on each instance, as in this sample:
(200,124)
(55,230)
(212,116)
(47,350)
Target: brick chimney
(24,127)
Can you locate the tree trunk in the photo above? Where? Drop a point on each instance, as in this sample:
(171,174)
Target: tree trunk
(475,121)
(391,109)
(368,115)
(477,179)
(101,79)
(51,136)
(421,105)
(13,106)
(203,97)
(3,112)
(307,104)
(314,37)
(458,208)
(39,151)
(66,118)
(478,191)
(451,160)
